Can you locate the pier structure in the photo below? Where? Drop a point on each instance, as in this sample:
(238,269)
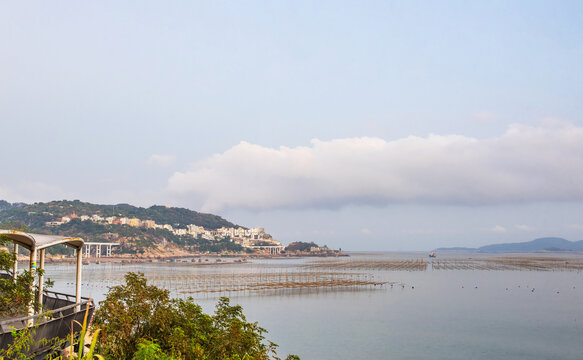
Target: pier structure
(98,249)
(36,244)
(67,310)
(273,250)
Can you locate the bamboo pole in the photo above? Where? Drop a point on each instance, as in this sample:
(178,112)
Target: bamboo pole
(32,268)
(78,279)
(15,269)
(41,284)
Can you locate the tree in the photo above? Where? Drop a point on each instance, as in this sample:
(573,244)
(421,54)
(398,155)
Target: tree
(148,350)
(137,319)
(300,246)
(131,312)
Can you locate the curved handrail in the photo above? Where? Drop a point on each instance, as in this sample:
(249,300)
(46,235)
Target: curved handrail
(54,324)
(22,322)
(67,296)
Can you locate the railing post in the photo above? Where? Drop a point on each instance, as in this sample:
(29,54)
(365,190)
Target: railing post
(15,269)
(41,266)
(32,269)
(78,279)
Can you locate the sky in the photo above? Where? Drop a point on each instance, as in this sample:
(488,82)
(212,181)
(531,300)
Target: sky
(377,125)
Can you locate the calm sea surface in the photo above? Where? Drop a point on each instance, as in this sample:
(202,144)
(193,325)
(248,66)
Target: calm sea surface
(431,314)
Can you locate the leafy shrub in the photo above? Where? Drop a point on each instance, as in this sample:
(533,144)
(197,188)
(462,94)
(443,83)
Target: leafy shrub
(148,350)
(137,319)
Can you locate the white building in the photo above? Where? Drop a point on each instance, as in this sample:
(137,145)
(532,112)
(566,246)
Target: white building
(180,232)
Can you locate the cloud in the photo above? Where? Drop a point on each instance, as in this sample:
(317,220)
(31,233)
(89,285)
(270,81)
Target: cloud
(525,228)
(498,229)
(366,231)
(161,160)
(525,164)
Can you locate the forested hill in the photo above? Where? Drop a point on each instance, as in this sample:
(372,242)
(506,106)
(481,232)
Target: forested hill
(36,215)
(5,205)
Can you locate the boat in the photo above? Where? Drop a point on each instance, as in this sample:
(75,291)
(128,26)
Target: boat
(432,254)
(59,314)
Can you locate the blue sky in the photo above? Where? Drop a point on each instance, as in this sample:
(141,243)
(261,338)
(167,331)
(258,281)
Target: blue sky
(390,125)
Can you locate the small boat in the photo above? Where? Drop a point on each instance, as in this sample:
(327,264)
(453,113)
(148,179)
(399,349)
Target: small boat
(432,254)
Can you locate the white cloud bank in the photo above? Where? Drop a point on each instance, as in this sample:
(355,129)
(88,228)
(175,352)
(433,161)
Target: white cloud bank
(498,229)
(525,164)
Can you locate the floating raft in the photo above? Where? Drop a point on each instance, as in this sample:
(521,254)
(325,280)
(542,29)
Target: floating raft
(243,282)
(517,263)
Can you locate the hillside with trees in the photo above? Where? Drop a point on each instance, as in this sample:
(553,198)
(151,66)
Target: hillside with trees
(37,218)
(37,214)
(5,205)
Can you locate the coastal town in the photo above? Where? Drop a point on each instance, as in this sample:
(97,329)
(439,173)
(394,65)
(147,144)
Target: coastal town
(128,232)
(254,238)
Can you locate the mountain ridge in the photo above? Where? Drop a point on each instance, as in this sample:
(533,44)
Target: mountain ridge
(69,218)
(539,244)
(37,214)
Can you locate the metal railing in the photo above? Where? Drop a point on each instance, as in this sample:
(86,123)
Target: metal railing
(58,318)
(5,276)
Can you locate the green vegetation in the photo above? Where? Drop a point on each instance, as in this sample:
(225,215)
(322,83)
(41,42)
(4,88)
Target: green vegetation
(138,321)
(19,349)
(141,321)
(35,215)
(4,205)
(133,240)
(13,225)
(78,342)
(300,246)
(24,340)
(150,350)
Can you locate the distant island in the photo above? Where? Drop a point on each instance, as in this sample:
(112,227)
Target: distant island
(536,245)
(157,231)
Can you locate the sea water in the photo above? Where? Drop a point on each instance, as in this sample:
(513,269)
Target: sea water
(431,314)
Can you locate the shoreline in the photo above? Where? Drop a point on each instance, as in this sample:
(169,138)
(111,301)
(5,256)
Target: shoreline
(195,259)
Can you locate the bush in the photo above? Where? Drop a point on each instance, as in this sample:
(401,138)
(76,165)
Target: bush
(137,319)
(148,350)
